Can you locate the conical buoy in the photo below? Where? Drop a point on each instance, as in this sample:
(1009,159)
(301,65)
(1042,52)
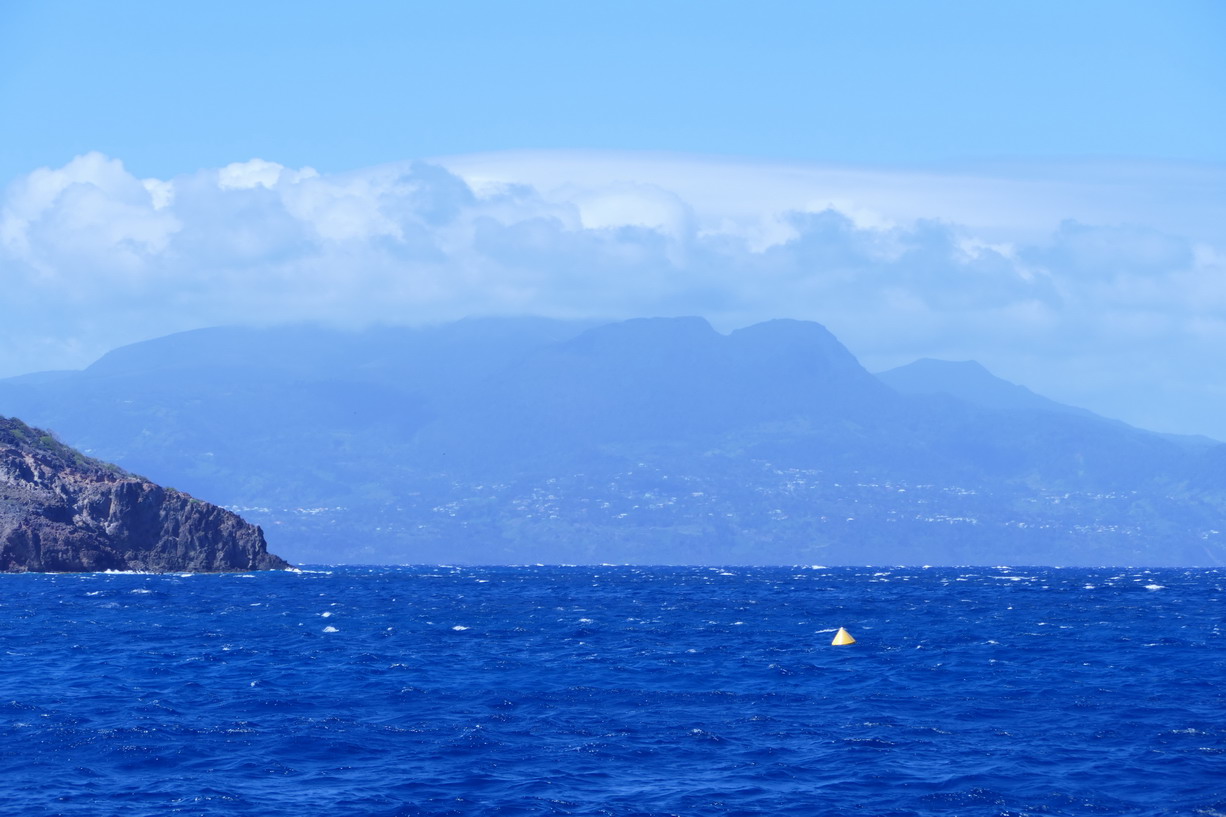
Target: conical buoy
(841,638)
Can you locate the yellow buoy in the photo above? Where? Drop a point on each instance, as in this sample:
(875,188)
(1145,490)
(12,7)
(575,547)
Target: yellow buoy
(841,638)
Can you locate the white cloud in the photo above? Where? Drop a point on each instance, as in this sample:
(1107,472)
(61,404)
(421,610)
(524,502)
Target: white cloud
(1071,281)
(161,193)
(259,173)
(91,213)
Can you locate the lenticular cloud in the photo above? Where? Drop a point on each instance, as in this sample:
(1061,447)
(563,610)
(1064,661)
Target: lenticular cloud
(897,264)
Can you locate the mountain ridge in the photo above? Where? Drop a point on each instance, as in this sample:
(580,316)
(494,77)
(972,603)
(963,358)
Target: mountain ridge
(523,440)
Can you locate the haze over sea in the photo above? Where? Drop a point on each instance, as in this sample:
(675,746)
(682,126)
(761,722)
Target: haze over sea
(615,691)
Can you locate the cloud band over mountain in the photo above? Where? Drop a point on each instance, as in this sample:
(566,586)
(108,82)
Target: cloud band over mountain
(1059,278)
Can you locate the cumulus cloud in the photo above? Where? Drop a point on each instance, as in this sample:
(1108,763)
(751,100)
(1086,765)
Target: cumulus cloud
(89,212)
(1071,285)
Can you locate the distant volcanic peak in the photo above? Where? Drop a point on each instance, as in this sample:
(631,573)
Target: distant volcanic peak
(932,364)
(929,370)
(169,351)
(965,379)
(788,333)
(775,337)
(661,332)
(63,512)
(513,327)
(788,327)
(972,383)
(806,350)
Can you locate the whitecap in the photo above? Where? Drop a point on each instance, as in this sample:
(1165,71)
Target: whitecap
(331,629)
(1155,587)
(459,628)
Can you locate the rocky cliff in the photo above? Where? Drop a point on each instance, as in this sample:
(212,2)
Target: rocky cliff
(61,511)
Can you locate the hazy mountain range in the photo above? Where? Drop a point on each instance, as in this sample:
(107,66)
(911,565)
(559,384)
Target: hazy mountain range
(650,441)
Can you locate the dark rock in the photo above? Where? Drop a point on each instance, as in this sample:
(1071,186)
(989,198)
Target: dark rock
(61,511)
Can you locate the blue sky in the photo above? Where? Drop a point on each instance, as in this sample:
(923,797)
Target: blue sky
(173,87)
(1035,185)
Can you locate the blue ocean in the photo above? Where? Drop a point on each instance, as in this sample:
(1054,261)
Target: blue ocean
(615,691)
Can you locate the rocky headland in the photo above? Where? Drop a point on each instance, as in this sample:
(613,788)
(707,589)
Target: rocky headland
(61,511)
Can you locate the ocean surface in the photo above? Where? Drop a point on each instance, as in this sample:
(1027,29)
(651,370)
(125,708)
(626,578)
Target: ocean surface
(615,691)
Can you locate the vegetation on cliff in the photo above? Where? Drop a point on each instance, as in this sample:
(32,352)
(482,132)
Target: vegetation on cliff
(61,511)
